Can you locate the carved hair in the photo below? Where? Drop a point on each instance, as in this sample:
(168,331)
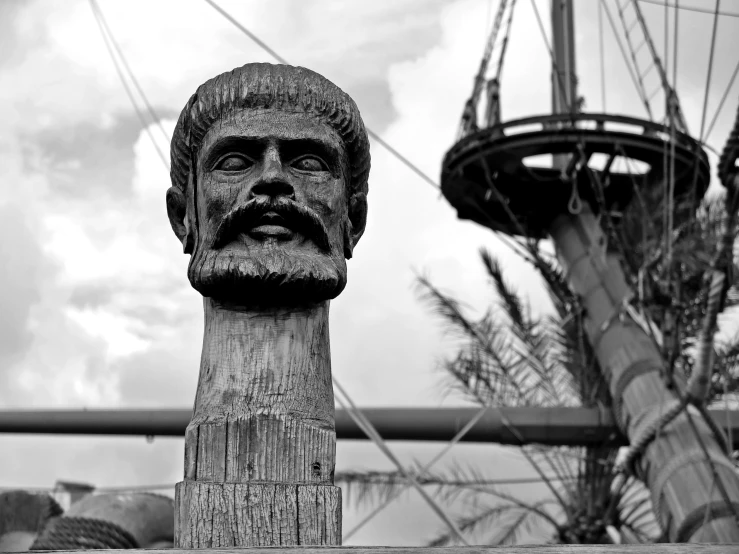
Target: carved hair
(264,86)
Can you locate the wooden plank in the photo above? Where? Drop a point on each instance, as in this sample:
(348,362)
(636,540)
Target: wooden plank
(527,549)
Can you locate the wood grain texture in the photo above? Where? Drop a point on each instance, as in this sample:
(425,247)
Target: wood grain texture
(528,549)
(211,515)
(261,447)
(264,403)
(673,465)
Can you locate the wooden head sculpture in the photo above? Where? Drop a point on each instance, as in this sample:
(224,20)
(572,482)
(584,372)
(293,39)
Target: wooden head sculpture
(269,196)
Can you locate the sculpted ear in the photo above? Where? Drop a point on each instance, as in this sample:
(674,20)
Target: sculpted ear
(357,222)
(177,212)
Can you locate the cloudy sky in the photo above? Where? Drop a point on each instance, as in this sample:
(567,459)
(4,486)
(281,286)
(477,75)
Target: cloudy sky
(96,307)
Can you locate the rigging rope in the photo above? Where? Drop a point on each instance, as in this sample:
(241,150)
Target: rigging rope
(468,123)
(723,100)
(671,99)
(282,60)
(129,92)
(361,420)
(710,69)
(671,196)
(458,437)
(688,8)
(639,91)
(152,112)
(81,533)
(562,88)
(171,486)
(602,58)
(504,46)
(639,75)
(488,53)
(667,37)
(669,169)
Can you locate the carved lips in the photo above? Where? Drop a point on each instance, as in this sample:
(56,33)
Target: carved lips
(264,218)
(271,224)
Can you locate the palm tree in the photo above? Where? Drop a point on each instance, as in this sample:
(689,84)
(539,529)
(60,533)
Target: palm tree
(510,358)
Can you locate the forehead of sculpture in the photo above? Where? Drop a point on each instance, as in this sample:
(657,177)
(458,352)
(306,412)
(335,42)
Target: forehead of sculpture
(270,125)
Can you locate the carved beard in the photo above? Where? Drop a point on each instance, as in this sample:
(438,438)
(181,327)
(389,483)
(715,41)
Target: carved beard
(270,274)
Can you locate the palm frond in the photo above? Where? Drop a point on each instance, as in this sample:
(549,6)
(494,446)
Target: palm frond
(511,532)
(508,357)
(370,487)
(510,301)
(488,517)
(448,309)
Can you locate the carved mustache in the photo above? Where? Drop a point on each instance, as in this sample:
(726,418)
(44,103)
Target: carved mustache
(292,215)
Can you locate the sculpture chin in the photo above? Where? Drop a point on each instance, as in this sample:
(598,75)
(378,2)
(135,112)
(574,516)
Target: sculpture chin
(273,276)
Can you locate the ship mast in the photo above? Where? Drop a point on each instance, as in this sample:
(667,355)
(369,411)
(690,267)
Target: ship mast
(485,176)
(564,70)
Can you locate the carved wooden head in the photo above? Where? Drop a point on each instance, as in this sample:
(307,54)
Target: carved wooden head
(269,185)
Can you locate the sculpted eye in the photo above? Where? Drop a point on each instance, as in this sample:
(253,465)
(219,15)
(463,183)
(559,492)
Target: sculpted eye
(234,163)
(310,163)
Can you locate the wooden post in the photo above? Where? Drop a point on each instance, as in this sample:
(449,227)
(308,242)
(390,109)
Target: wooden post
(686,499)
(261,447)
(269,183)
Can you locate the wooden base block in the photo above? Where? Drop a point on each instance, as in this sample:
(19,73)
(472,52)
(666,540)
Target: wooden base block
(211,515)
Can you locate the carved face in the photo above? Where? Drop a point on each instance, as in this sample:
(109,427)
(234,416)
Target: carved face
(271,209)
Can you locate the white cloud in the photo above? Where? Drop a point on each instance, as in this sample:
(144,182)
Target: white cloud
(112,318)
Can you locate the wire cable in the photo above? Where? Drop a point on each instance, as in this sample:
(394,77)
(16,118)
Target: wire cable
(361,420)
(171,486)
(669,160)
(673,141)
(504,44)
(282,60)
(602,58)
(667,215)
(723,100)
(667,38)
(470,424)
(129,92)
(639,91)
(562,88)
(132,76)
(710,69)
(688,8)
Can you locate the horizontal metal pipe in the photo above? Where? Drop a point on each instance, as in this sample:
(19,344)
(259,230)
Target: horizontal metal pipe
(548,426)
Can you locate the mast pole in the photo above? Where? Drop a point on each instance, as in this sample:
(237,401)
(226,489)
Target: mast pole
(564,69)
(685,457)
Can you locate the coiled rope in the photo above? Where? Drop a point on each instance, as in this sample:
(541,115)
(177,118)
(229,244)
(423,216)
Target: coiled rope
(81,533)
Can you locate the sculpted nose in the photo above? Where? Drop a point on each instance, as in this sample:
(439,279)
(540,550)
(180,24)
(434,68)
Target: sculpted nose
(273,182)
